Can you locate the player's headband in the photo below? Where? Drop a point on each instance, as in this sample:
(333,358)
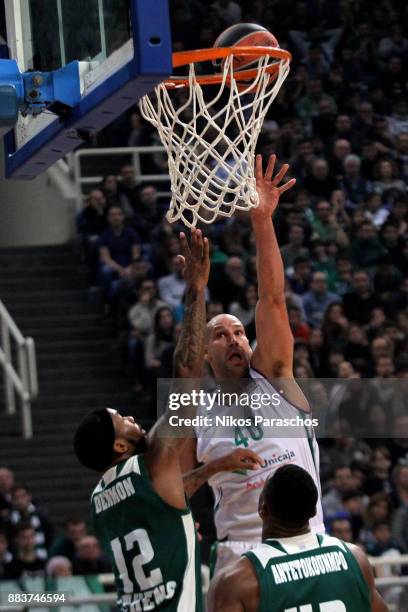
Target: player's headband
(94,439)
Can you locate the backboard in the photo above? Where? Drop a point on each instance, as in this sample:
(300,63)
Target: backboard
(124,47)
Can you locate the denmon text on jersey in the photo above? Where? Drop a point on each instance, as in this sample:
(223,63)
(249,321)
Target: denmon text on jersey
(113,495)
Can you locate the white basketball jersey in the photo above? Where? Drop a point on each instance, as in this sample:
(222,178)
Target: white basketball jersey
(237,493)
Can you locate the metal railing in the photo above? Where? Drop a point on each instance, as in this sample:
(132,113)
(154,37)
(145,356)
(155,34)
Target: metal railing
(21,380)
(135,153)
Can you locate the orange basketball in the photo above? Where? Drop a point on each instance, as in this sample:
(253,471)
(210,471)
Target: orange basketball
(244,35)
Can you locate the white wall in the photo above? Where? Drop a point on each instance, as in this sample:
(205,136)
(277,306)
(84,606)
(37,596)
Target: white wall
(34,213)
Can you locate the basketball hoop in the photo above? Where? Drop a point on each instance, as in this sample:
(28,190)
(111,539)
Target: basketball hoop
(211,143)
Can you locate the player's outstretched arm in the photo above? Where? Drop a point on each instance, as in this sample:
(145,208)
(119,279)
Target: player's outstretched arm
(189,354)
(234,589)
(377,602)
(165,443)
(273,355)
(239,459)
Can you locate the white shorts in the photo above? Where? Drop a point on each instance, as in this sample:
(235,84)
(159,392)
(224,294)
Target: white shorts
(230,551)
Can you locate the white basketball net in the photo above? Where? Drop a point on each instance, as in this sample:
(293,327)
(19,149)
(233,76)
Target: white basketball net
(211,152)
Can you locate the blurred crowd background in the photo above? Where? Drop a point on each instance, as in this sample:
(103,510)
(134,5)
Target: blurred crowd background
(341,122)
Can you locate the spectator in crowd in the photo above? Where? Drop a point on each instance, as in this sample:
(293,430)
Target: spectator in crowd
(393,44)
(343,482)
(128,187)
(334,328)
(378,477)
(320,183)
(318,299)
(6,486)
(400,528)
(92,220)
(340,527)
(158,341)
(229,282)
(139,132)
(315,344)
(141,319)
(300,330)
(359,303)
(172,287)
(386,281)
(393,78)
(303,159)
(400,473)
(340,151)
(353,184)
(379,509)
(64,545)
(28,559)
(343,277)
(147,214)
(110,189)
(343,129)
(387,178)
(165,246)
(24,511)
(295,248)
(401,154)
(392,242)
(89,558)
(308,107)
(366,249)
(5,557)
(300,279)
(363,119)
(398,120)
(59,567)
(326,226)
(382,541)
(369,157)
(375,211)
(399,214)
(118,246)
(353,503)
(91,223)
(141,315)
(244,307)
(127,290)
(381,346)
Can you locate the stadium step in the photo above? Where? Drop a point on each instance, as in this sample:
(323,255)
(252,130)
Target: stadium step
(79,368)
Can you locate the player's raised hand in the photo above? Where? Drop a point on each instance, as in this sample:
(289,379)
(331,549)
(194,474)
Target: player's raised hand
(195,259)
(268,188)
(239,459)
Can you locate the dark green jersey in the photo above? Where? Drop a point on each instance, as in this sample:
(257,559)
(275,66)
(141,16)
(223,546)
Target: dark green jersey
(309,573)
(152,546)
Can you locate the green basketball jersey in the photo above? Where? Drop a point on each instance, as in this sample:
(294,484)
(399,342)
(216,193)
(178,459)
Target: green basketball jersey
(152,546)
(309,573)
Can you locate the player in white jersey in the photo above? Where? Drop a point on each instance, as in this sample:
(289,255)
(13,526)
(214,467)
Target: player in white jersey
(270,366)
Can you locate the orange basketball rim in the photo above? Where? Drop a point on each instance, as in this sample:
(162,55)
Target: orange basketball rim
(185,58)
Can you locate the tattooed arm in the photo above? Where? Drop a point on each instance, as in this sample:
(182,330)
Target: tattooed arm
(189,354)
(166,442)
(238,459)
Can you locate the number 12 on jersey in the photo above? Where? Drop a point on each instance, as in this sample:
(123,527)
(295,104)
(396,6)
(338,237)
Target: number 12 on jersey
(141,538)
